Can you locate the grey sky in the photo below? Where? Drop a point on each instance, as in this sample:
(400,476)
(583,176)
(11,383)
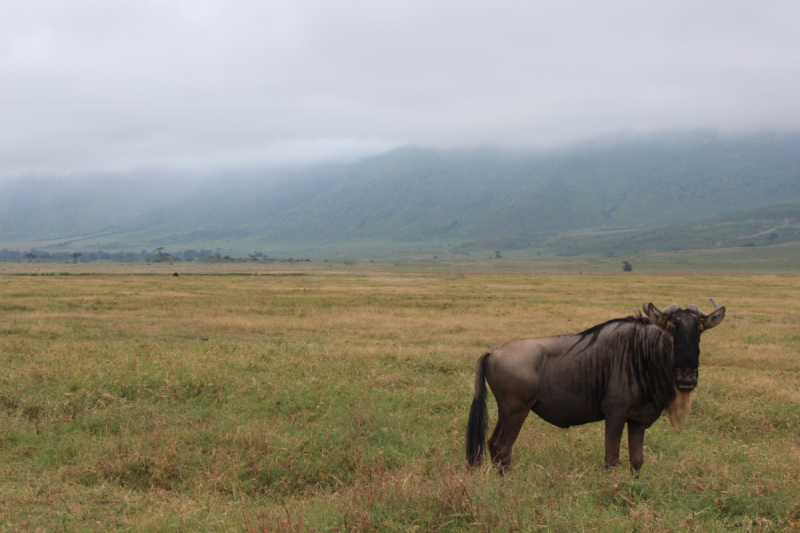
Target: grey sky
(120,85)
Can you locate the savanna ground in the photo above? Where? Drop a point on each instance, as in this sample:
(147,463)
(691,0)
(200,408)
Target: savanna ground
(337,400)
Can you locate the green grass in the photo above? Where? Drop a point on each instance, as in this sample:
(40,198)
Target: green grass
(337,400)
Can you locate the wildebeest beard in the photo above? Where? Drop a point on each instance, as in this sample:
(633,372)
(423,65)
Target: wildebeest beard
(678,410)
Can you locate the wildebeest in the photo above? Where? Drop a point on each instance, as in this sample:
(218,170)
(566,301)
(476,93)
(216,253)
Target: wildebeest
(626,370)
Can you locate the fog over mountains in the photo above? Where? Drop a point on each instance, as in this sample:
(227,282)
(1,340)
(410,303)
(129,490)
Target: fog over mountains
(416,195)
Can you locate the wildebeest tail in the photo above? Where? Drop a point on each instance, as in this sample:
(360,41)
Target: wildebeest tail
(478,417)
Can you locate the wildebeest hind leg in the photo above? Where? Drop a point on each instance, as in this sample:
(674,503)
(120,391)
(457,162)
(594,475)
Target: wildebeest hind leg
(508,426)
(498,428)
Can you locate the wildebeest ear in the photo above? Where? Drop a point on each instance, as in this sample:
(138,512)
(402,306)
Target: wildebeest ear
(655,316)
(714,319)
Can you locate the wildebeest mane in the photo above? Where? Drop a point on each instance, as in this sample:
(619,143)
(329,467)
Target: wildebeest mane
(594,331)
(637,349)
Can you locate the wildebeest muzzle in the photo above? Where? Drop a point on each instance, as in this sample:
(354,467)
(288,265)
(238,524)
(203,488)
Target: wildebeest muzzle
(686,378)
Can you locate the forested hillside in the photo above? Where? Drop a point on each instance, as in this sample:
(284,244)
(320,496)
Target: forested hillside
(415,195)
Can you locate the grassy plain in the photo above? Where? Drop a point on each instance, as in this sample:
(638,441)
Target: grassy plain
(336,399)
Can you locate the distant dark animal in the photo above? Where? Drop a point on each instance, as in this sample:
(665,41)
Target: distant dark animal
(626,370)
(175,275)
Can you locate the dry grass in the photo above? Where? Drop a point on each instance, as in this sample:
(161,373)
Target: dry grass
(337,401)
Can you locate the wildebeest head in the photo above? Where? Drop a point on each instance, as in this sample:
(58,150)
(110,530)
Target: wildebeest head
(684,327)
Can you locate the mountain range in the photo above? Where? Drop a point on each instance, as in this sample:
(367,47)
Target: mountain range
(699,189)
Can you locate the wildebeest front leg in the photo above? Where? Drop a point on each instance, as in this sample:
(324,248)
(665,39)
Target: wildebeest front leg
(636,444)
(614,427)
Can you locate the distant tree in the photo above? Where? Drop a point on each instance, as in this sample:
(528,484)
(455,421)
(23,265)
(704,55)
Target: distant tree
(75,256)
(159,249)
(30,256)
(772,237)
(497,255)
(627,267)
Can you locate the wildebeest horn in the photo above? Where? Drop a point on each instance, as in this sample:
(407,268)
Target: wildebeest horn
(670,309)
(697,310)
(692,307)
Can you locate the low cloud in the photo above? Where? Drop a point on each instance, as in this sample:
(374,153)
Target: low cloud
(115,86)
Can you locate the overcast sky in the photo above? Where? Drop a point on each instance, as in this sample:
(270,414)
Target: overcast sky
(116,85)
